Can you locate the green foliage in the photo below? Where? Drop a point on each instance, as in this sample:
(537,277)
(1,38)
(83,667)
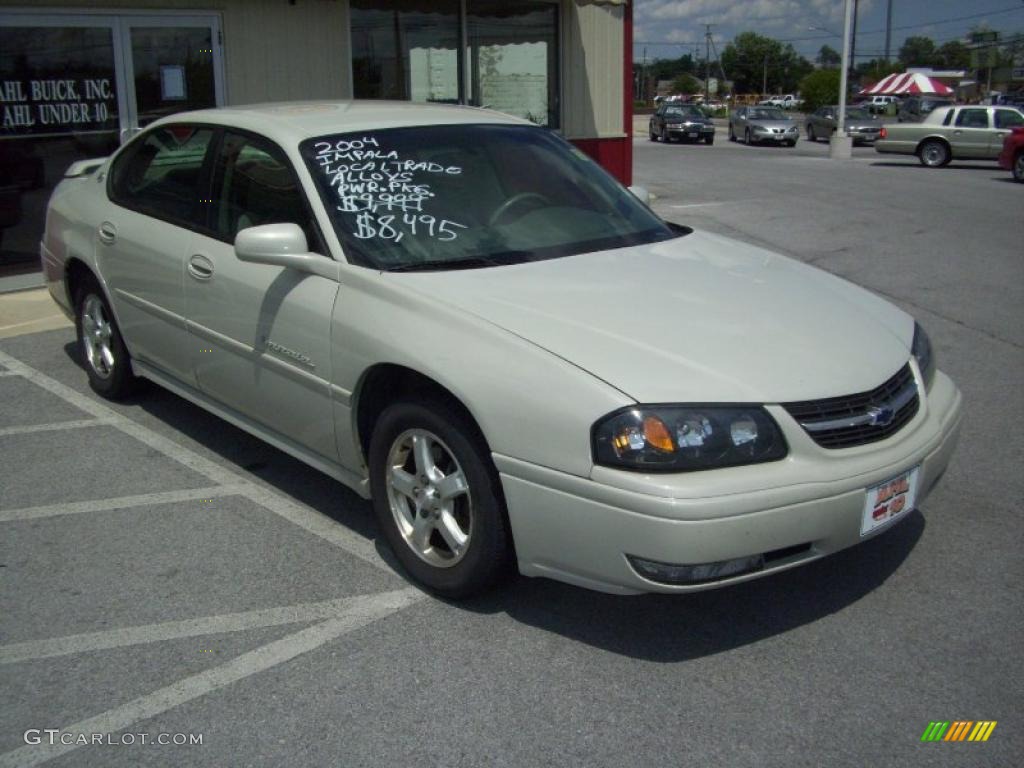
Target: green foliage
(819,89)
(750,56)
(918,51)
(686,84)
(875,69)
(954,55)
(829,58)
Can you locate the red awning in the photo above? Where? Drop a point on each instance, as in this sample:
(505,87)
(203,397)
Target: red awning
(908,82)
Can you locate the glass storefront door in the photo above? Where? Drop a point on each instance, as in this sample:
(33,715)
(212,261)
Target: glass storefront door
(73,86)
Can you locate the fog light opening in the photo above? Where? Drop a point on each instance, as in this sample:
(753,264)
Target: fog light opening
(667,573)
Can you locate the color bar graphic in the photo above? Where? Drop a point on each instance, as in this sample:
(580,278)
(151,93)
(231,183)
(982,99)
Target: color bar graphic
(958,730)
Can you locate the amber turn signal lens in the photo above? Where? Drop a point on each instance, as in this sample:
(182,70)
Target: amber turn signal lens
(656,434)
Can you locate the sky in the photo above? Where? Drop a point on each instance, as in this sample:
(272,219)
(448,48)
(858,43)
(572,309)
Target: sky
(670,28)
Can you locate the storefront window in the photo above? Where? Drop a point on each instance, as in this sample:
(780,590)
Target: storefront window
(413,49)
(406,50)
(173,70)
(58,94)
(514,66)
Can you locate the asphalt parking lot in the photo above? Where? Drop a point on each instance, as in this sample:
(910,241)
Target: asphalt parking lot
(164,574)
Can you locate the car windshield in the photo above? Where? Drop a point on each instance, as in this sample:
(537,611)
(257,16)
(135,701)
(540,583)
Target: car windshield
(683,112)
(766,114)
(458,196)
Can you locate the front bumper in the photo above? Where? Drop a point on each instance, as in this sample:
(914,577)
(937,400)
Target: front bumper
(777,138)
(690,131)
(580,530)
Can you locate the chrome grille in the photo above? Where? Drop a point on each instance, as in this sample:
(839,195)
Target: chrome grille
(843,422)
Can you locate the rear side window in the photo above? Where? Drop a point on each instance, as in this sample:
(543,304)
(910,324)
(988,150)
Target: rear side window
(972,118)
(160,174)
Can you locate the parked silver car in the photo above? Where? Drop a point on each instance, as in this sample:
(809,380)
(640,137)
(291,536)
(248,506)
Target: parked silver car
(860,124)
(759,125)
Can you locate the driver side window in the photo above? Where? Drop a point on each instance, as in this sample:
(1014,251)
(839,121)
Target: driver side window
(254,184)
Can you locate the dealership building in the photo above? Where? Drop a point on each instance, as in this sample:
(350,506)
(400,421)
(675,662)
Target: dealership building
(76,80)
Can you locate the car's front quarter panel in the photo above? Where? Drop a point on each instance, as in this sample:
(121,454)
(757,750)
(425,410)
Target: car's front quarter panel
(529,403)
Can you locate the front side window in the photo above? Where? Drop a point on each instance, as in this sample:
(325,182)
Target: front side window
(439,197)
(1008,118)
(254,184)
(160,173)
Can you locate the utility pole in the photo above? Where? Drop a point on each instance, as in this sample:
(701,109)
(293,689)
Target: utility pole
(764,78)
(707,63)
(840,147)
(888,31)
(853,44)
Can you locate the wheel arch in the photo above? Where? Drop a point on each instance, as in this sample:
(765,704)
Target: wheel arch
(76,273)
(384,384)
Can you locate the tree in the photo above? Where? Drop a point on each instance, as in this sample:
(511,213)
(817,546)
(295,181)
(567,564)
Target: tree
(829,58)
(750,56)
(954,55)
(875,69)
(918,51)
(820,89)
(685,83)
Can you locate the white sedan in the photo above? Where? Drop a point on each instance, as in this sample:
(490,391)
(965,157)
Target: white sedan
(462,317)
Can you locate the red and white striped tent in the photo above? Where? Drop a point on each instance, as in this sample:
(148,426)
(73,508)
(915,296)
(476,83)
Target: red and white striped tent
(908,82)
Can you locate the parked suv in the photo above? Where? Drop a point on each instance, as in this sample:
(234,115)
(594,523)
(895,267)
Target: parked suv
(915,108)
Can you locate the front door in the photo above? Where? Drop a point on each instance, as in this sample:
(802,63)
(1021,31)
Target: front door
(261,334)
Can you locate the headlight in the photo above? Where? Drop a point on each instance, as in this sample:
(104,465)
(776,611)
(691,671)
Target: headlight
(683,438)
(925,356)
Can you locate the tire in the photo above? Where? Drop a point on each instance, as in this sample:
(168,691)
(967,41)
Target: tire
(791,143)
(933,154)
(710,139)
(811,135)
(107,362)
(664,135)
(654,136)
(746,137)
(455,547)
(1018,167)
(732,136)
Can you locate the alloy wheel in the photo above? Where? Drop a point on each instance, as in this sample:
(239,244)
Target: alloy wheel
(97,337)
(429,498)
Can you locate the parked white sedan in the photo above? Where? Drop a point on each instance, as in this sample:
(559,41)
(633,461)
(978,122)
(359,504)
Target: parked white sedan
(460,315)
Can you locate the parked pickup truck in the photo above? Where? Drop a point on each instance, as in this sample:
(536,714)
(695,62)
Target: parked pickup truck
(789,101)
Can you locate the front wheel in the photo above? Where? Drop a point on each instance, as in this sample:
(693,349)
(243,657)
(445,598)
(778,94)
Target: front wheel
(934,154)
(438,500)
(664,135)
(107,362)
(746,137)
(1018,167)
(811,135)
(654,136)
(732,135)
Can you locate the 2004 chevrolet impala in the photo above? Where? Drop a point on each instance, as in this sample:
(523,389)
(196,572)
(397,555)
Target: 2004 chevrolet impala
(462,317)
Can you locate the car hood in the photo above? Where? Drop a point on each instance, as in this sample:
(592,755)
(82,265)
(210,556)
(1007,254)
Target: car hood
(773,123)
(695,319)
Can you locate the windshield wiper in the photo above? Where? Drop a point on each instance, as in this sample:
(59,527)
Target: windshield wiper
(474,262)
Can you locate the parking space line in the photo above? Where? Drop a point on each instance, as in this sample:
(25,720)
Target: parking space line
(174,630)
(299,514)
(7,373)
(122,502)
(54,426)
(360,612)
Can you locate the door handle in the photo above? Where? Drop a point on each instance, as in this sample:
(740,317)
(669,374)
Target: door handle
(200,267)
(107,232)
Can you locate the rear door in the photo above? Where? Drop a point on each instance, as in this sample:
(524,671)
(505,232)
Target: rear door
(154,186)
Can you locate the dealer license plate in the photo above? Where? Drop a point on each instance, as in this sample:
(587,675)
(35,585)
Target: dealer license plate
(693,134)
(889,501)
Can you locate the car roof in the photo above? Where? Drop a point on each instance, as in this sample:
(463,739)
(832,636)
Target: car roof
(291,122)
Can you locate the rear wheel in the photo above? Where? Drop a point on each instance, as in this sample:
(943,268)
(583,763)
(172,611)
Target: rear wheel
(1018,167)
(437,498)
(107,362)
(811,135)
(933,154)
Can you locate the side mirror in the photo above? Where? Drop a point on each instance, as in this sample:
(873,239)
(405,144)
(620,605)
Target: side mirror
(282,245)
(641,194)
